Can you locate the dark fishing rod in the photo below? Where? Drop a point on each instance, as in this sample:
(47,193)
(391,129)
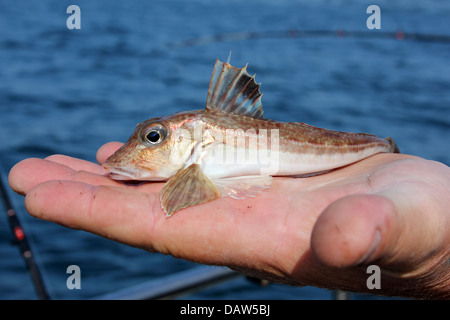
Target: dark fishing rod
(21,240)
(297,33)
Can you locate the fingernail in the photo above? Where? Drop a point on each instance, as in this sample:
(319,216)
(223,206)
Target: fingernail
(373,247)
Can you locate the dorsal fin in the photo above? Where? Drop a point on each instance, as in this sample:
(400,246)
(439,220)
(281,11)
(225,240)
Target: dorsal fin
(233,90)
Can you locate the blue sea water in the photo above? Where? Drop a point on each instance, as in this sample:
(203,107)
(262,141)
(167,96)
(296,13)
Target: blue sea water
(70,91)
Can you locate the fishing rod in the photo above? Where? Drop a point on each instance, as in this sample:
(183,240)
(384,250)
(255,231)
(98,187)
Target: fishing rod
(21,240)
(297,33)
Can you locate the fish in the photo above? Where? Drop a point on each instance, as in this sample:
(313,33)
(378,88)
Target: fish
(228,149)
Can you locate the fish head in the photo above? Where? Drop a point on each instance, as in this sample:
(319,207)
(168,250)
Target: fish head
(151,153)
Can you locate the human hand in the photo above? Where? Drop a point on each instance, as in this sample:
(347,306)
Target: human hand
(390,210)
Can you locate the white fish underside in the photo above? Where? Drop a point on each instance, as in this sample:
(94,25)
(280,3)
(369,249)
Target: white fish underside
(280,163)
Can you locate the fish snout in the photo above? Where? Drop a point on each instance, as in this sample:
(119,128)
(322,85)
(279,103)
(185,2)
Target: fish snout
(121,173)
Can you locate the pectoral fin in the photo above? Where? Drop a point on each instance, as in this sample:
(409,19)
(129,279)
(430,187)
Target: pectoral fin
(242,187)
(189,187)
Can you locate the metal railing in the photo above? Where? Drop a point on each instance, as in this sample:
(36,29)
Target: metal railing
(175,285)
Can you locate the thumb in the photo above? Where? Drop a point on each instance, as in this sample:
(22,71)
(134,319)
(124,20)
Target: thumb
(390,230)
(354,230)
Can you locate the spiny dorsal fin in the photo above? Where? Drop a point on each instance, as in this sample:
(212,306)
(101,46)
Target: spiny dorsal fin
(233,90)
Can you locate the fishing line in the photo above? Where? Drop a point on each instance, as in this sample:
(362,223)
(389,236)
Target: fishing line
(21,240)
(296,33)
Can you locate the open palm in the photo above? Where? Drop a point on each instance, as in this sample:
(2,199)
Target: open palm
(390,210)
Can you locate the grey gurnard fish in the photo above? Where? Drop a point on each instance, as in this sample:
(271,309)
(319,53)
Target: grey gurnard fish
(229,149)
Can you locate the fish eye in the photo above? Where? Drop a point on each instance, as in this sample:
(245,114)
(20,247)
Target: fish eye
(154,135)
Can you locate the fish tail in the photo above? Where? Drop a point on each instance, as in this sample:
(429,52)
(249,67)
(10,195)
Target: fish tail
(394,147)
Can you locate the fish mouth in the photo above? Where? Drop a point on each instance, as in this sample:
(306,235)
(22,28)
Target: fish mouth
(127,174)
(116,173)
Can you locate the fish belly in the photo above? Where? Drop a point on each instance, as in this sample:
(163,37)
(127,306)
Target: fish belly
(234,162)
